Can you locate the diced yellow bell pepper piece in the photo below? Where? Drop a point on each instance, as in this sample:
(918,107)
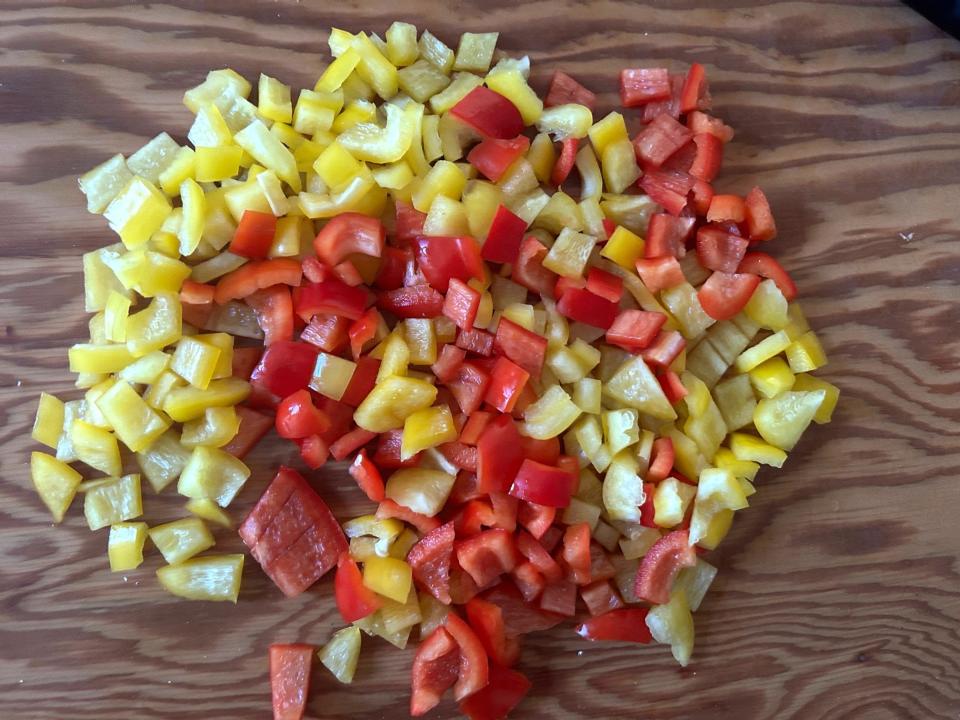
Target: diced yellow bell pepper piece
(560,213)
(390,403)
(125,546)
(566,121)
(152,159)
(104,182)
(270,152)
(684,305)
(421,339)
(523,314)
(806,353)
(570,252)
(194,214)
(154,327)
(56,483)
(444,178)
(48,423)
(213,164)
(316,111)
(215,577)
(611,129)
(586,394)
(150,273)
(422,490)
(208,510)
(638,545)
(218,426)
(475,51)
(717,529)
(767,306)
(427,428)
(195,361)
(542,156)
(209,129)
(112,500)
(338,71)
(182,166)
(635,385)
(164,460)
(137,212)
(393,176)
(631,211)
(763,350)
(385,530)
(288,136)
(797,323)
(212,473)
(359,195)
(332,375)
(245,196)
(513,86)
(99,278)
(336,166)
(480,202)
(356,111)
(750,447)
(736,401)
(396,356)
(671,500)
(741,469)
(187,403)
(400,547)
(115,317)
(389,577)
(718,491)
(91,413)
(273,190)
(550,415)
(436,52)
(72,410)
(181,539)
(672,624)
(96,447)
(368,141)
(783,419)
(354,88)
(156,394)
(622,490)
(341,653)
(772,377)
(624,248)
(809,383)
(620,428)
(217,83)
(459,88)
(373,68)
(422,80)
(135,422)
(689,460)
(224,343)
(165,243)
(286,241)
(274,99)
(402,43)
(98,358)
(619,163)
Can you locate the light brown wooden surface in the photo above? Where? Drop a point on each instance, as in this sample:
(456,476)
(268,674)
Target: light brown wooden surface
(838,594)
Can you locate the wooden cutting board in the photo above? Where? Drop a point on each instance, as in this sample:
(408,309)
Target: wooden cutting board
(838,594)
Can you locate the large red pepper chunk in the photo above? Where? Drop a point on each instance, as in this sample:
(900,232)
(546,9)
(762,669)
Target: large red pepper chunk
(367,477)
(461,304)
(292,533)
(327,332)
(257,275)
(430,559)
(487,556)
(436,667)
(330,297)
(504,691)
(297,417)
(415,301)
(543,484)
(564,90)
(583,306)
(474,665)
(290,679)
(719,250)
(560,598)
(660,566)
(723,295)
(444,258)
(507,381)
(661,139)
(254,234)
(600,597)
(668,188)
(639,86)
(667,236)
(274,311)
(504,237)
(491,157)
(354,599)
(633,330)
(527,349)
(709,156)
(624,625)
(349,233)
(500,454)
(664,349)
(486,619)
(529,270)
(576,552)
(469,387)
(660,273)
(285,367)
(489,113)
(760,223)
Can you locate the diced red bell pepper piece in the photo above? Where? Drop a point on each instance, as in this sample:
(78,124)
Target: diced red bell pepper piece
(254,234)
(443,258)
(583,306)
(461,304)
(633,330)
(533,550)
(723,295)
(647,510)
(660,566)
(196,293)
(487,556)
(519,617)
(244,360)
(668,188)
(529,581)
(387,454)
(486,619)
(474,427)
(505,508)
(600,566)
(349,233)
(560,598)
(527,349)
(350,442)
(765,266)
(600,597)
(489,113)
(665,349)
(726,207)
(504,237)
(256,275)
(415,301)
(354,599)
(543,484)
(298,417)
(529,270)
(393,267)
(708,158)
(639,86)
(314,270)
(605,284)
(292,533)
(507,380)
(670,106)
(474,666)
(348,273)
(361,382)
(661,459)
(330,297)
(461,455)
(478,342)
(430,559)
(285,367)
(694,89)
(492,156)
(660,273)
(564,90)
(367,476)
(660,139)
(327,332)
(505,690)
(537,519)
(543,451)
(718,249)
(667,236)
(760,223)
(436,667)
(253,426)
(361,331)
(576,552)
(700,122)
(681,160)
(274,311)
(566,161)
(290,678)
(469,387)
(500,454)
(408,222)
(390,509)
(700,197)
(625,625)
(671,386)
(448,363)
(339,414)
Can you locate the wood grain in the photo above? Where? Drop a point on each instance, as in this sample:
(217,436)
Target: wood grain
(839,590)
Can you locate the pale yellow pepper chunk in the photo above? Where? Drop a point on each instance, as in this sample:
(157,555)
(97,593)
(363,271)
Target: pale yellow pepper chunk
(208,510)
(215,577)
(96,447)
(112,500)
(390,403)
(181,539)
(137,212)
(125,546)
(56,483)
(341,653)
(389,577)
(427,428)
(135,422)
(214,474)
(48,423)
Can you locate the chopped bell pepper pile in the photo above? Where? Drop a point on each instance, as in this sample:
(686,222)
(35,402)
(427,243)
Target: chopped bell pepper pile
(553,357)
